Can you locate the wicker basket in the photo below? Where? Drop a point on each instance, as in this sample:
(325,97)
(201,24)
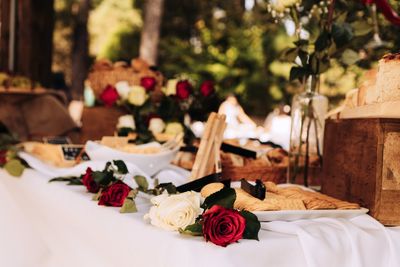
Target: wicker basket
(105,73)
(99,79)
(276,174)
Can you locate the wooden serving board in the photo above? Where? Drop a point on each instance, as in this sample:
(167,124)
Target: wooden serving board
(377,110)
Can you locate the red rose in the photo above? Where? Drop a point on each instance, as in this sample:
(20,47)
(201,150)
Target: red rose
(183,89)
(88,181)
(149,83)
(3,157)
(207,88)
(114,195)
(109,95)
(223,226)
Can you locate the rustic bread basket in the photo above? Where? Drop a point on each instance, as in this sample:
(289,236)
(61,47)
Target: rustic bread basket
(276,174)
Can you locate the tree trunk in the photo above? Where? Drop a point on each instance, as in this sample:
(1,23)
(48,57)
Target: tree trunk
(80,49)
(4,34)
(35,39)
(151,31)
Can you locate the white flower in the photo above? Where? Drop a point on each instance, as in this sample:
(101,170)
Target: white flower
(126,121)
(175,211)
(123,89)
(174,128)
(137,95)
(156,125)
(170,89)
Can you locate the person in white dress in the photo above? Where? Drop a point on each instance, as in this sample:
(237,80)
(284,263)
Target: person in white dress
(239,124)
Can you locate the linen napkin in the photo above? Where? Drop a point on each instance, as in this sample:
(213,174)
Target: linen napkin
(169,173)
(359,242)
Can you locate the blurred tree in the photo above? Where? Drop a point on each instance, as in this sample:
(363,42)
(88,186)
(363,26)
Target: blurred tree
(150,38)
(114,27)
(80,48)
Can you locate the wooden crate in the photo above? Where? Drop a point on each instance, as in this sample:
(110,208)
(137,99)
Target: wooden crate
(362,164)
(98,122)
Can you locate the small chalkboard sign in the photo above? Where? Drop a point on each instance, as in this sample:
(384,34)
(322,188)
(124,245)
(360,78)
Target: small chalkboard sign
(57,140)
(72,152)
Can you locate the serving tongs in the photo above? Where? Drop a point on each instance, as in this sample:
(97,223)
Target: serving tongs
(258,190)
(198,184)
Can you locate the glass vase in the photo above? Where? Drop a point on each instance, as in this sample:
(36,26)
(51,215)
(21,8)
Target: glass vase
(306,137)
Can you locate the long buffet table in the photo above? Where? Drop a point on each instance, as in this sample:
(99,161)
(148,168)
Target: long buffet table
(45,224)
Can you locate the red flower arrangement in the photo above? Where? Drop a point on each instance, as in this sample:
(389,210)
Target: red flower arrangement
(183,89)
(223,226)
(108,184)
(87,180)
(114,195)
(207,88)
(149,83)
(3,157)
(109,96)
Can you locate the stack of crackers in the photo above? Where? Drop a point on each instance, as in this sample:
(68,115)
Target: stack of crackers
(278,198)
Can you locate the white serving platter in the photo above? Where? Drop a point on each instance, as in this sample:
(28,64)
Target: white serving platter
(294,215)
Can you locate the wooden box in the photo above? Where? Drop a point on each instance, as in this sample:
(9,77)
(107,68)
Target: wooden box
(362,164)
(98,122)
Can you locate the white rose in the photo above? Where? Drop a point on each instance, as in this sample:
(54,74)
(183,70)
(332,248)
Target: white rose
(123,89)
(126,121)
(156,125)
(175,211)
(174,128)
(137,95)
(170,89)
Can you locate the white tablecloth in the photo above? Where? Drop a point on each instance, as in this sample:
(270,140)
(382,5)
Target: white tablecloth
(54,224)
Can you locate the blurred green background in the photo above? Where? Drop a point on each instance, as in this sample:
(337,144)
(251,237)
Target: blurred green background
(235,43)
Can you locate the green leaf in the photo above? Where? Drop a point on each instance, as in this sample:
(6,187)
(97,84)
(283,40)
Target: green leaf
(121,166)
(342,34)
(289,54)
(72,180)
(252,225)
(298,73)
(195,229)
(14,167)
(97,196)
(349,57)
(301,43)
(361,28)
(224,197)
(103,178)
(129,206)
(170,187)
(303,57)
(323,41)
(142,182)
(341,18)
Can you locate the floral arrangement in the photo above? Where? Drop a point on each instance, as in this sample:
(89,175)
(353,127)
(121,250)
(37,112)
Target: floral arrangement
(216,219)
(109,188)
(152,113)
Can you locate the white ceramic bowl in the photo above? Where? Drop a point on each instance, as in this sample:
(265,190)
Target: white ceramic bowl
(148,163)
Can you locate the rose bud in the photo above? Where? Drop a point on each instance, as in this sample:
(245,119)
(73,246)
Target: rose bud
(183,89)
(114,195)
(223,226)
(109,96)
(149,83)
(87,180)
(207,88)
(3,157)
